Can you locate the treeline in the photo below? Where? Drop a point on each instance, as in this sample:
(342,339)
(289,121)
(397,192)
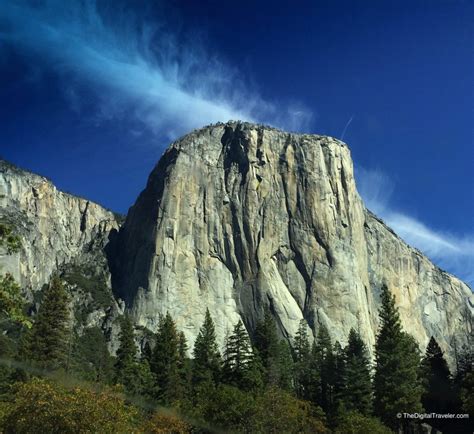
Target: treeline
(59,379)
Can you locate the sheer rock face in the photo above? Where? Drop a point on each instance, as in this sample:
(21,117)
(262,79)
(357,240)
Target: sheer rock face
(55,228)
(236,217)
(60,233)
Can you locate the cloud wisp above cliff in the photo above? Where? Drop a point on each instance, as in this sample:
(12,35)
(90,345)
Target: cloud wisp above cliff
(455,253)
(136,70)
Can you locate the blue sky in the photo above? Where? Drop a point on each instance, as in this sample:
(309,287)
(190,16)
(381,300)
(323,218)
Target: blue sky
(92,92)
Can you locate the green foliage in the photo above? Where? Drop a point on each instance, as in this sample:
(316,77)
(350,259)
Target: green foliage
(91,358)
(397,387)
(40,406)
(228,408)
(7,353)
(275,355)
(279,411)
(48,341)
(355,423)
(134,375)
(302,367)
(206,356)
(467,393)
(165,422)
(167,363)
(324,358)
(274,410)
(86,279)
(338,383)
(285,367)
(239,360)
(357,395)
(438,394)
(127,350)
(266,342)
(8,239)
(11,301)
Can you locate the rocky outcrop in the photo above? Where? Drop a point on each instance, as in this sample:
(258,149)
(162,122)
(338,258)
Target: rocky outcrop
(236,217)
(64,234)
(55,227)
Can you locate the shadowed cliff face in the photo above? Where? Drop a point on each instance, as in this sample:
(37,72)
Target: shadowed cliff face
(236,217)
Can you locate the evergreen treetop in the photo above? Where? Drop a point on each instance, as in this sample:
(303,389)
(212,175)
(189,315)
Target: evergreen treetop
(358,385)
(397,385)
(49,337)
(207,359)
(238,356)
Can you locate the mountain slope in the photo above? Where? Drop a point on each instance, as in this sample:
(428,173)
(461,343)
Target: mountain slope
(238,216)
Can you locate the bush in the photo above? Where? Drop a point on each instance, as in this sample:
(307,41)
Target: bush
(356,423)
(226,407)
(279,411)
(40,406)
(165,423)
(9,240)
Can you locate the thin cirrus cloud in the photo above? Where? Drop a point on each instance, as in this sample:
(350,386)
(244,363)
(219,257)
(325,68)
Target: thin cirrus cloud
(137,71)
(452,252)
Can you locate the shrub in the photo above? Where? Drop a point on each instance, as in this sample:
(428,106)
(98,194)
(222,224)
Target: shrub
(356,423)
(165,423)
(8,239)
(42,406)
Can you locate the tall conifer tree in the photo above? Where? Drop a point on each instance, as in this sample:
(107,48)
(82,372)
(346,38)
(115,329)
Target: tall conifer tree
(133,374)
(267,343)
(437,379)
(127,350)
(338,377)
(48,341)
(238,357)
(165,363)
(206,356)
(357,395)
(397,387)
(325,366)
(302,367)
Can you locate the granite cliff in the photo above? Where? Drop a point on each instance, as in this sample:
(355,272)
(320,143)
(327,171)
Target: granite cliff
(235,217)
(59,233)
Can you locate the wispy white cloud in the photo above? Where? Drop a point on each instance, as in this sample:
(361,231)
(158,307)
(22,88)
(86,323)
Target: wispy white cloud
(136,70)
(454,253)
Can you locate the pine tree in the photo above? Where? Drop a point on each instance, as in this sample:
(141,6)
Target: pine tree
(438,396)
(357,395)
(285,367)
(338,378)
(184,366)
(314,383)
(463,387)
(325,366)
(126,356)
(397,387)
(133,374)
(302,367)
(48,341)
(254,374)
(267,343)
(147,352)
(165,363)
(206,356)
(127,350)
(237,357)
(91,358)
(437,378)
